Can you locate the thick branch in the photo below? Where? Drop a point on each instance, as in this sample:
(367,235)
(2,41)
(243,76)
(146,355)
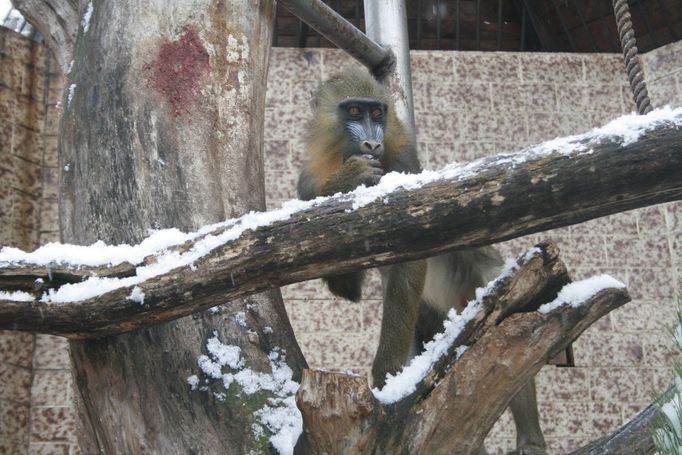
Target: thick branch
(485,202)
(506,349)
(57,21)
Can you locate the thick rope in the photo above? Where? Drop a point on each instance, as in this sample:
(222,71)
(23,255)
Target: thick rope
(632,65)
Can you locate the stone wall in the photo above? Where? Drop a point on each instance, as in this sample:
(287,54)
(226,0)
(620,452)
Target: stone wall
(35,392)
(467,105)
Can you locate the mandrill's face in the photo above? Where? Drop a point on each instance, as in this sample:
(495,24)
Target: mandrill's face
(364,124)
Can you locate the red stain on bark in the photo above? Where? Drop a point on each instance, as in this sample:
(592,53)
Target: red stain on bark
(177,69)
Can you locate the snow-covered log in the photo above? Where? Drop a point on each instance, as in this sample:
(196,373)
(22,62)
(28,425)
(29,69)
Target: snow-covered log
(449,397)
(630,163)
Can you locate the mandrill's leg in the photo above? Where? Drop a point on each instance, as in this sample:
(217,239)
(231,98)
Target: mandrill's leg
(524,408)
(403,285)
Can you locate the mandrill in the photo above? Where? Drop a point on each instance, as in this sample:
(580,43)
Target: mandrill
(354,138)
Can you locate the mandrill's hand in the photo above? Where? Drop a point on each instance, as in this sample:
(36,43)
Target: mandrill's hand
(357,170)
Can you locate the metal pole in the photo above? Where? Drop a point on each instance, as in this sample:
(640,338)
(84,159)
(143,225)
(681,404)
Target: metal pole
(343,34)
(386,23)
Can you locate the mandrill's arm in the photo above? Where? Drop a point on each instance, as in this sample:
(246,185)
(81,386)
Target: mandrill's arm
(356,171)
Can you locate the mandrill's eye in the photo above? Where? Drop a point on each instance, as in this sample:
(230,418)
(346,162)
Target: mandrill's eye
(353,110)
(377,113)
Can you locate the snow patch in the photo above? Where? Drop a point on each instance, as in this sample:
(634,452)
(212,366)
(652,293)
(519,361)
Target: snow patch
(576,293)
(279,416)
(17,296)
(72,91)
(85,22)
(137,295)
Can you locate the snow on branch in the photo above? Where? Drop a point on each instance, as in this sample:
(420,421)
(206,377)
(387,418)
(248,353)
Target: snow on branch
(629,163)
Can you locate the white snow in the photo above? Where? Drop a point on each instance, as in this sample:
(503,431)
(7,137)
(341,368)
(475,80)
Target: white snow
(624,129)
(193,381)
(137,295)
(576,293)
(72,90)
(85,22)
(17,296)
(240,318)
(280,416)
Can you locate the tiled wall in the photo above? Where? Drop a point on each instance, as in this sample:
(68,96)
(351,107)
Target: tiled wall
(467,105)
(35,380)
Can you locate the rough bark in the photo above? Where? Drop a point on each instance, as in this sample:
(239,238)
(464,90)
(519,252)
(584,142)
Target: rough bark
(491,204)
(162,127)
(454,407)
(58,22)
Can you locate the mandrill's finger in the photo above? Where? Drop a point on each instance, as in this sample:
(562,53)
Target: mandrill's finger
(375,164)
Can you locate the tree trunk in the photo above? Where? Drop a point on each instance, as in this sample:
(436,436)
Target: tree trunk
(162,127)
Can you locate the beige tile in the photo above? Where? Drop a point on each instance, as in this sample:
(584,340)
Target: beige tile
(52,424)
(542,67)
(295,64)
(507,126)
(605,69)
(14,418)
(48,449)
(581,421)
(302,94)
(432,66)
(664,91)
(281,185)
(642,251)
(652,283)
(51,388)
(597,348)
(12,447)
(483,66)
(325,316)
(285,124)
(15,383)
(660,351)
(651,220)
(645,316)
(524,97)
(665,60)
(673,212)
(621,224)
(51,352)
(556,384)
(276,156)
(338,350)
(437,127)
(16,348)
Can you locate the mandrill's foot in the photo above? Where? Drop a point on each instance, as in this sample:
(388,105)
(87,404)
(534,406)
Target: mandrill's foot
(528,451)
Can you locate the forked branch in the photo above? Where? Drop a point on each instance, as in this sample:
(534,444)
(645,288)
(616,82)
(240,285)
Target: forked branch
(506,348)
